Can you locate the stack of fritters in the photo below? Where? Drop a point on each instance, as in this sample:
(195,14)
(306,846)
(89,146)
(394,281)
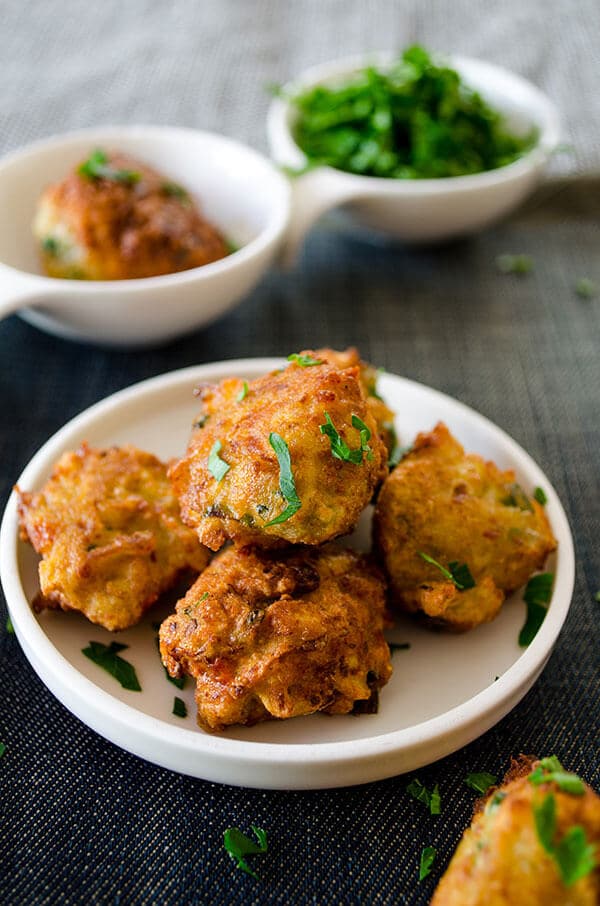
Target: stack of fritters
(282,624)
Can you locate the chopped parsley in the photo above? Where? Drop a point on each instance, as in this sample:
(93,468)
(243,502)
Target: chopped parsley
(174,190)
(481,782)
(339,447)
(573,855)
(107,657)
(459,573)
(540,495)
(51,246)
(518,498)
(538,592)
(238,845)
(550,770)
(287,485)
(2,749)
(514,264)
(428,855)
(9,626)
(413,119)
(179,708)
(305,361)
(217,467)
(243,393)
(98,167)
(430,799)
(586,288)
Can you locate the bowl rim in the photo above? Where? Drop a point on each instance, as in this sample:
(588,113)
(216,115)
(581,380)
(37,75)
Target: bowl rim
(265,756)
(283,145)
(275,228)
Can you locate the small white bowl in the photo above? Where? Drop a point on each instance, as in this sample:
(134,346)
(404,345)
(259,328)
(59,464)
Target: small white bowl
(237,189)
(417,210)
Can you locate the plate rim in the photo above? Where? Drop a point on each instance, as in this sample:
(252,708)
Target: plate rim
(380,755)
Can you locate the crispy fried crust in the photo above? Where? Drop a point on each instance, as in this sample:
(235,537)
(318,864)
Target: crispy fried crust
(105,229)
(279,634)
(291,403)
(456,507)
(108,528)
(500,861)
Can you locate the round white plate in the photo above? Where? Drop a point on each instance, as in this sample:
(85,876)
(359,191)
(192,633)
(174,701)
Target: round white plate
(446,690)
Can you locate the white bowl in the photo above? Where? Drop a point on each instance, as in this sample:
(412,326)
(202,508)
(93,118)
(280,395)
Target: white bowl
(446,690)
(238,189)
(417,210)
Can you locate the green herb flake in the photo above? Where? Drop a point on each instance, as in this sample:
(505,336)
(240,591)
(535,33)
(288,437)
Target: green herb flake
(430,799)
(97,167)
(107,657)
(217,467)
(514,264)
(243,393)
(540,495)
(481,782)
(339,447)
(538,592)
(597,596)
(428,855)
(586,288)
(305,361)
(2,749)
(179,708)
(287,485)
(573,855)
(174,190)
(550,770)
(238,845)
(51,246)
(458,573)
(9,626)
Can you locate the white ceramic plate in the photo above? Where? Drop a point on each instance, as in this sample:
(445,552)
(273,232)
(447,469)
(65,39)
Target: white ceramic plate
(445,691)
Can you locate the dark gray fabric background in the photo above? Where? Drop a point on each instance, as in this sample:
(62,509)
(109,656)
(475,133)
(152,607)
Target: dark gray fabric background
(83,822)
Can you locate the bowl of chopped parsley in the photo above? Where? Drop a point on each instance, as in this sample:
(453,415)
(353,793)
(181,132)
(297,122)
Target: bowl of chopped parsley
(414,146)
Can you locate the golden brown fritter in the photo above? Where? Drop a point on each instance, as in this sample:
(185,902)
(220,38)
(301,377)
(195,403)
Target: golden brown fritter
(500,860)
(278,634)
(456,508)
(250,503)
(134,224)
(108,528)
(382,414)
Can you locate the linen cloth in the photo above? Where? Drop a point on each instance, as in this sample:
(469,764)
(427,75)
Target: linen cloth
(82,821)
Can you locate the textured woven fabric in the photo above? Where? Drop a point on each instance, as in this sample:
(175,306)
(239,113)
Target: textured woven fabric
(84,822)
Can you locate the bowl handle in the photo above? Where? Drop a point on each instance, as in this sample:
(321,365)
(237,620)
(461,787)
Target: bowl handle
(313,193)
(18,290)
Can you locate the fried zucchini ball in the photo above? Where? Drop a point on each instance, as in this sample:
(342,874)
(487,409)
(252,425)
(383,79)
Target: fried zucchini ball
(108,528)
(383,415)
(501,860)
(279,634)
(292,457)
(456,508)
(114,218)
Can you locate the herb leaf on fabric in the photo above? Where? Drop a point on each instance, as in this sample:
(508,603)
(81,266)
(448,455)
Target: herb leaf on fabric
(430,799)
(238,845)
(481,782)
(428,855)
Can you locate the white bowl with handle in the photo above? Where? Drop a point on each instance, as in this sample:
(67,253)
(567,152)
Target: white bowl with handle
(416,210)
(238,189)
